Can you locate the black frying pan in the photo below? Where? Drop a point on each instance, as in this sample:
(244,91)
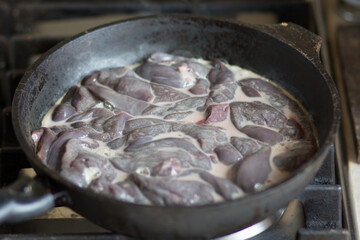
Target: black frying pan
(285,53)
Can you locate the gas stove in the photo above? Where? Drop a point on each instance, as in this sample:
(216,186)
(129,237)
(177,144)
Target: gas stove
(29,28)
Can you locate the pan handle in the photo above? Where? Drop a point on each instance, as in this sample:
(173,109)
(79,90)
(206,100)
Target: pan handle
(303,40)
(25,199)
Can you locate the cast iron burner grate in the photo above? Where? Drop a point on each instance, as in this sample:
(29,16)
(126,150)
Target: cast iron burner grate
(315,214)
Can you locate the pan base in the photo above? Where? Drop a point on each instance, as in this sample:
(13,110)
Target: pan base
(283,225)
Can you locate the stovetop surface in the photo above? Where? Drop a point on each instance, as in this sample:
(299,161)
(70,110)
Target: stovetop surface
(32,27)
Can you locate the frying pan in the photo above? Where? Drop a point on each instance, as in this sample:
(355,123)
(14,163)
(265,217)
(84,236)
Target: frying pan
(285,53)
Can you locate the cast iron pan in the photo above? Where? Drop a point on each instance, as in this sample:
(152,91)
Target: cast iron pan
(285,53)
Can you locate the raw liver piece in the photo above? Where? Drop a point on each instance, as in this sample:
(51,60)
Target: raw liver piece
(147,133)
(77,99)
(300,126)
(72,148)
(169,167)
(201,160)
(70,94)
(104,128)
(134,87)
(136,123)
(276,97)
(167,94)
(149,159)
(161,74)
(294,158)
(96,123)
(223,85)
(252,169)
(87,167)
(246,146)
(53,156)
(122,102)
(96,135)
(200,70)
(293,130)
(219,73)
(117,143)
(227,154)
(262,134)
(126,191)
(201,87)
(174,71)
(209,137)
(43,139)
(256,112)
(170,192)
(180,106)
(178,115)
(92,113)
(83,167)
(114,126)
(109,77)
(106,122)
(83,100)
(63,111)
(124,81)
(224,187)
(216,113)
(188,103)
(249,91)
